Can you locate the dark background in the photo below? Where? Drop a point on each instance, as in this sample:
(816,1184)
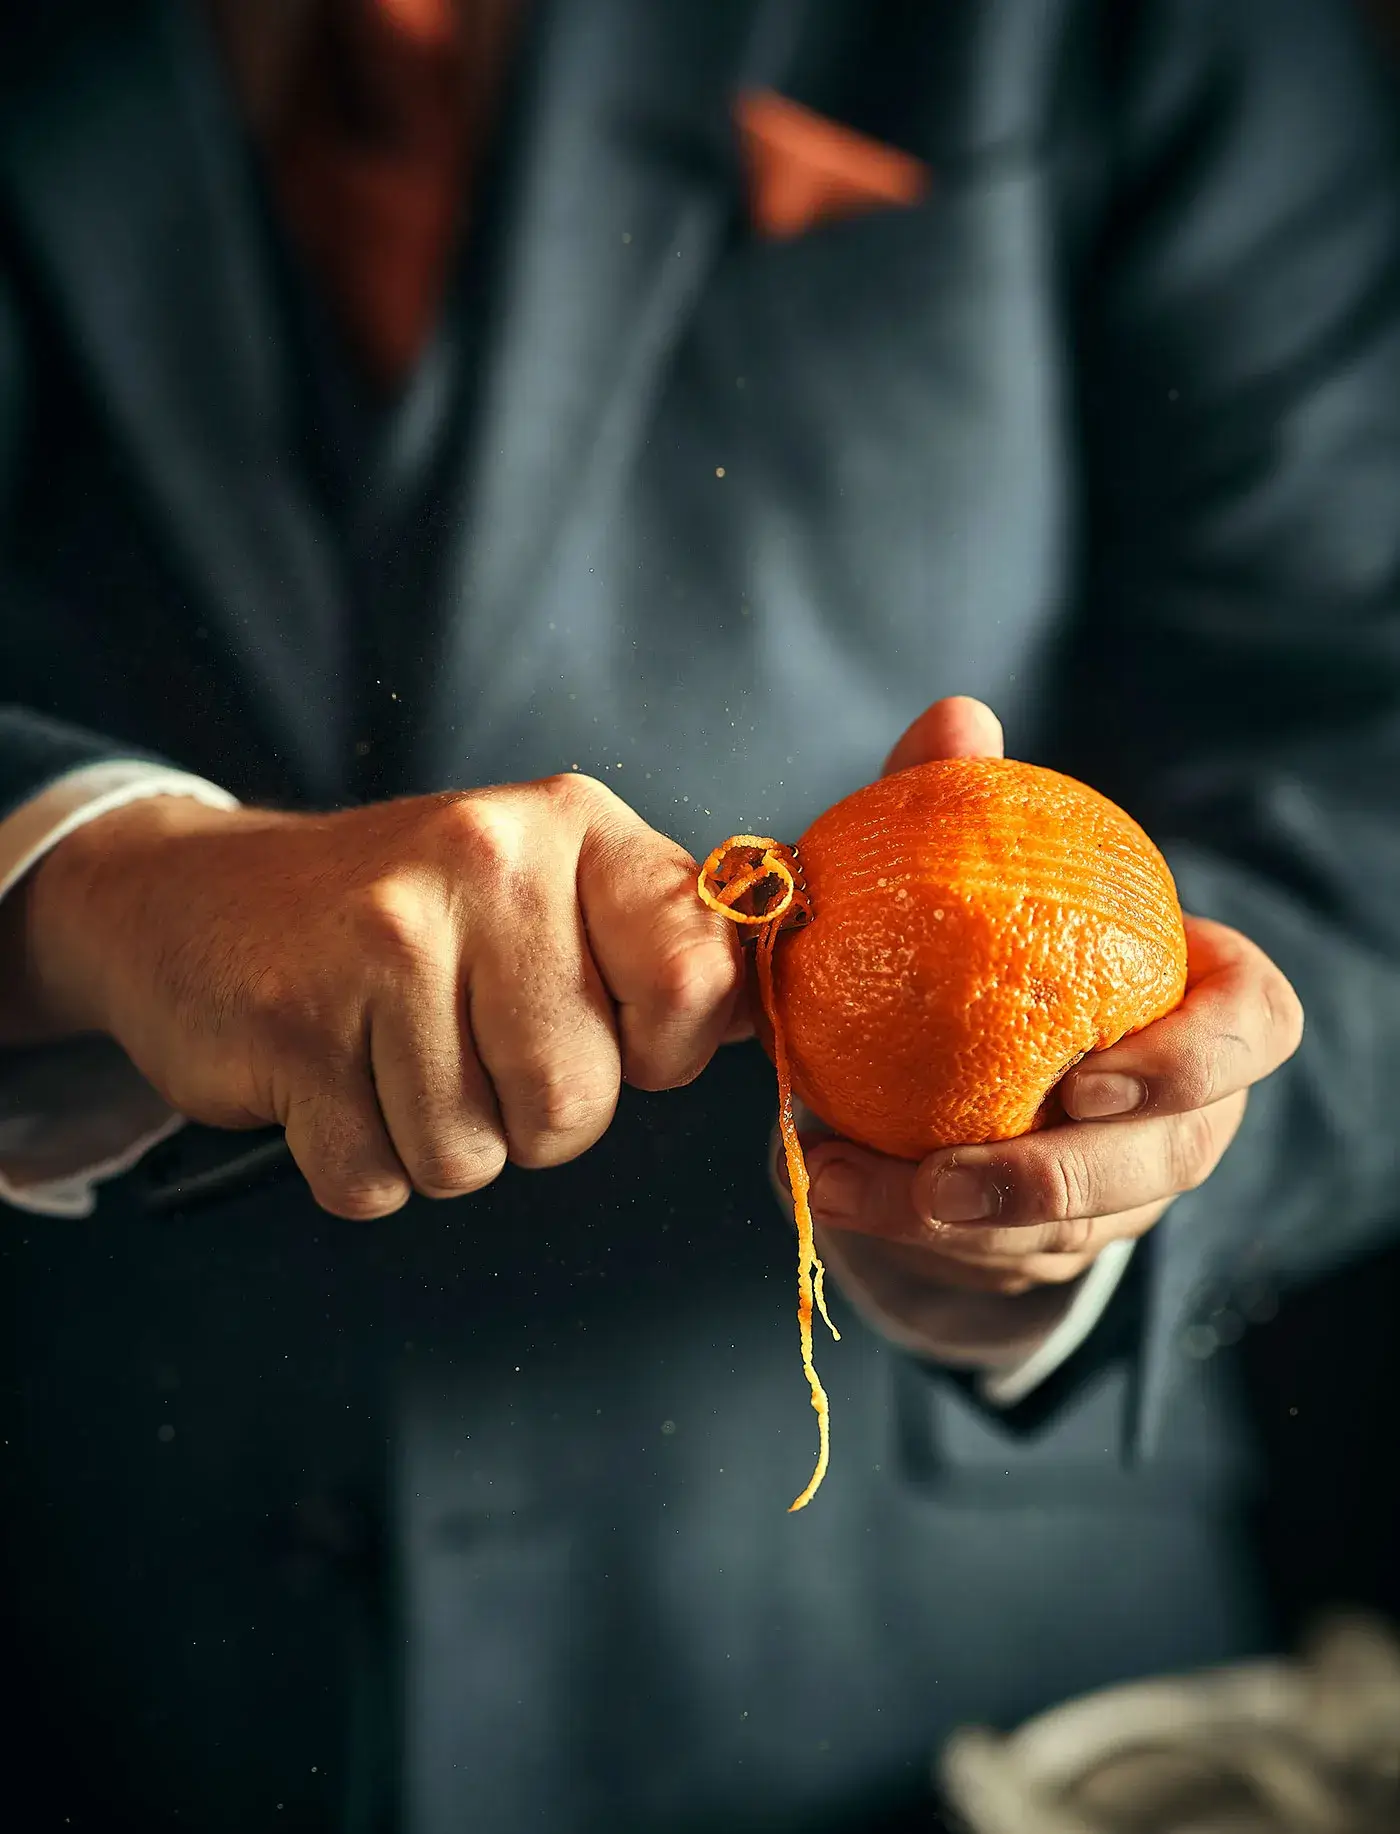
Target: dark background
(1324,1385)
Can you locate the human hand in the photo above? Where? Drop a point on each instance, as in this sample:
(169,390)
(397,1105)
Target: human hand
(416,991)
(1140,1123)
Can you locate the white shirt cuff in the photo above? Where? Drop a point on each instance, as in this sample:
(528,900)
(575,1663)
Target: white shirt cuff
(1014,1342)
(1005,1387)
(72,1115)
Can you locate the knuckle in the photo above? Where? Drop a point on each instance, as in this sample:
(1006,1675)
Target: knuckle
(296,1021)
(576,792)
(1072,1237)
(668,1042)
(1191,1149)
(567,1104)
(573,800)
(1283,1014)
(352,1170)
(455,1168)
(695,983)
(562,1110)
(1064,1187)
(361,1200)
(271,1000)
(488,839)
(1196,1079)
(394,921)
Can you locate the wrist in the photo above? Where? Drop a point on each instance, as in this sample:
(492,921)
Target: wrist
(73,926)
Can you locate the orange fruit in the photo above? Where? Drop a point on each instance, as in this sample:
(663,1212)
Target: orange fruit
(934,954)
(978,926)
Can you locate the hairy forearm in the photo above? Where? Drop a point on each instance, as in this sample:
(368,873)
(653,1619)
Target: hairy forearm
(83,894)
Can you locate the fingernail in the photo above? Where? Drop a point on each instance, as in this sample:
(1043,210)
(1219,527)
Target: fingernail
(836,1191)
(963,1195)
(1099,1093)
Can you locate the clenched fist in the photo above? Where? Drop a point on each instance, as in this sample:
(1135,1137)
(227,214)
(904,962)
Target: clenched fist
(416,991)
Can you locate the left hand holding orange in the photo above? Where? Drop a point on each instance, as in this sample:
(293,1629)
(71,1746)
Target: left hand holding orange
(978,974)
(1135,1125)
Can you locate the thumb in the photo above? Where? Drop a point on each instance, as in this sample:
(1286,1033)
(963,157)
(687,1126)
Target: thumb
(957,727)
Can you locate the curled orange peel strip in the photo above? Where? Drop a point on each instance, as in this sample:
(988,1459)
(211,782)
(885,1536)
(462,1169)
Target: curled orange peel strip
(765,876)
(739,867)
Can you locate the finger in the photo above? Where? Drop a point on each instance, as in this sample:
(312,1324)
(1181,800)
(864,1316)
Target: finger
(933,1268)
(436,1100)
(957,727)
(864,1192)
(337,1137)
(885,1264)
(543,1023)
(741,1024)
(1039,1194)
(673,967)
(1026,1255)
(1043,1191)
(1239,1021)
(892,1270)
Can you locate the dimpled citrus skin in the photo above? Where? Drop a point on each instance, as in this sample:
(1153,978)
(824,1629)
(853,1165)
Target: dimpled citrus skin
(977,926)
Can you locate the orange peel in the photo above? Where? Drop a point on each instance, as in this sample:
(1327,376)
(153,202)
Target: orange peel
(757,883)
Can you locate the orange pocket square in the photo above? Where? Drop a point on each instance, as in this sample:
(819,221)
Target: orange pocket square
(803,169)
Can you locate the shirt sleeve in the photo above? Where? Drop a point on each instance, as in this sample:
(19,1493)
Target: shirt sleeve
(1014,1342)
(74,1114)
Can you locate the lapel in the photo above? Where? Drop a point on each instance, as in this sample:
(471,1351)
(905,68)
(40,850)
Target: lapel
(125,171)
(619,186)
